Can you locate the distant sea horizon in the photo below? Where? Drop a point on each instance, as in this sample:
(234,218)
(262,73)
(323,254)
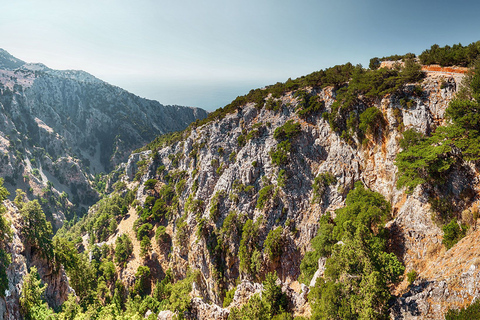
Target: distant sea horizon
(202,94)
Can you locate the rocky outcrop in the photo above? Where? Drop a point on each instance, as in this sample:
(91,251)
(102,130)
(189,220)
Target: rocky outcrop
(448,280)
(22,259)
(217,166)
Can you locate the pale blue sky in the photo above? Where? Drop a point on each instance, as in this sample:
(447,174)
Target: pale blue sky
(205,53)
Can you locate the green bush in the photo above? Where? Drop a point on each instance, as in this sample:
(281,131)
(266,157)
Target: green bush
(241,140)
(274,243)
(279,155)
(144,231)
(370,120)
(123,249)
(161,235)
(264,195)
(181,235)
(249,245)
(288,131)
(215,205)
(452,233)
(145,247)
(282,178)
(412,276)
(308,104)
(358,267)
(229,297)
(468,313)
(320,184)
(142,283)
(150,184)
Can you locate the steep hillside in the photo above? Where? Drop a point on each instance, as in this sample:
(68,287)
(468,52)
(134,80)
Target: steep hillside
(218,192)
(349,193)
(65,127)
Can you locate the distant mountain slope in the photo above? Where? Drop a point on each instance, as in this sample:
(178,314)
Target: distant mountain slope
(71,125)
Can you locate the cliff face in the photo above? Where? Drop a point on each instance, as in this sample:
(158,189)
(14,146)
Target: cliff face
(226,175)
(23,258)
(66,126)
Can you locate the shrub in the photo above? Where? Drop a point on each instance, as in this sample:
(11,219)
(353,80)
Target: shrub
(144,231)
(264,196)
(241,140)
(282,178)
(150,184)
(142,276)
(215,205)
(320,184)
(468,313)
(229,297)
(248,245)
(308,104)
(274,243)
(161,235)
(145,247)
(123,249)
(452,233)
(181,234)
(289,130)
(411,276)
(370,119)
(279,155)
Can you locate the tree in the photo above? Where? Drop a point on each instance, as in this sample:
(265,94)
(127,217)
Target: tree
(248,245)
(36,228)
(272,295)
(374,63)
(32,303)
(142,282)
(150,184)
(274,243)
(123,249)
(358,269)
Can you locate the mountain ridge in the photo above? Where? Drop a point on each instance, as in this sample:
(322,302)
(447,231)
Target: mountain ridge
(74,126)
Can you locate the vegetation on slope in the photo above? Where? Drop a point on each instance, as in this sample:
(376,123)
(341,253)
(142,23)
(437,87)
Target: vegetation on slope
(430,159)
(358,269)
(5,236)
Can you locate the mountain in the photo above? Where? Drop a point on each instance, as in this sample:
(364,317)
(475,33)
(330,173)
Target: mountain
(64,127)
(349,193)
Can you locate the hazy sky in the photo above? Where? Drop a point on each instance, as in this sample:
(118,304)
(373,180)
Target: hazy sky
(205,53)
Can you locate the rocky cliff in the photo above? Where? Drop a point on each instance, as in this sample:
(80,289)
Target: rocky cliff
(23,257)
(225,167)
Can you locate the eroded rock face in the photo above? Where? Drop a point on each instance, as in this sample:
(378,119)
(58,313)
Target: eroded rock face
(449,280)
(23,258)
(217,165)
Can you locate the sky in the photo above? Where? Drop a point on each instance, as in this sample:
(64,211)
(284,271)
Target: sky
(206,53)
